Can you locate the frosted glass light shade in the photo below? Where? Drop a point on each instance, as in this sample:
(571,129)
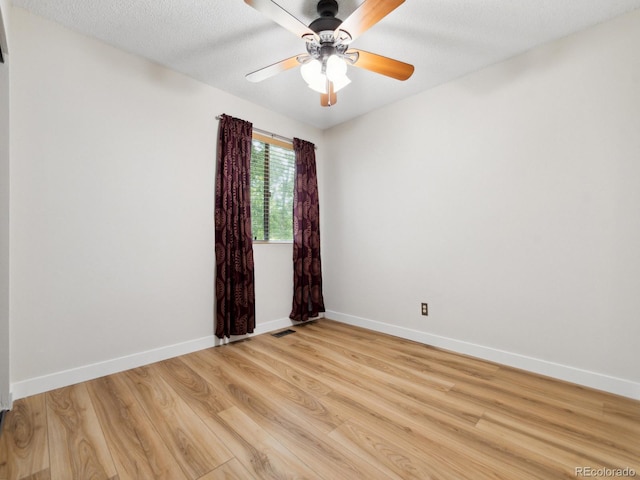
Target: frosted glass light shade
(340,83)
(312,72)
(336,72)
(319,86)
(336,68)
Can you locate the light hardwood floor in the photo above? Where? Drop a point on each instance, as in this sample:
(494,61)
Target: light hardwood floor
(329,402)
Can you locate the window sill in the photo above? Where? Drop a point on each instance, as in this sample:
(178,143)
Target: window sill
(273,242)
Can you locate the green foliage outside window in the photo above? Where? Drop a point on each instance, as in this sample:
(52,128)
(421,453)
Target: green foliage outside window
(272,177)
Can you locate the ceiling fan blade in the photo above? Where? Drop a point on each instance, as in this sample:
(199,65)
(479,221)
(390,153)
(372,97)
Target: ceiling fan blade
(271,70)
(366,16)
(382,65)
(330,98)
(283,18)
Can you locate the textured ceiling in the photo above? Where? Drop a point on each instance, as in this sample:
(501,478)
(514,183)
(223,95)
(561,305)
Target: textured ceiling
(219,41)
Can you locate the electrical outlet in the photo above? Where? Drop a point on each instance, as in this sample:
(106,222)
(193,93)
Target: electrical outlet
(425,309)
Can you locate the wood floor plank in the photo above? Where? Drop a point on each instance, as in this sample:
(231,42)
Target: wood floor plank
(448,447)
(77,445)
(473,466)
(367,341)
(563,461)
(590,450)
(398,353)
(371,362)
(190,384)
(418,407)
(293,431)
(24,446)
(442,360)
(343,371)
(418,410)
(204,399)
(246,446)
(369,365)
(232,470)
(576,422)
(622,412)
(429,454)
(255,450)
(41,475)
(620,443)
(264,456)
(137,450)
(553,392)
(280,366)
(196,449)
(404,462)
(330,401)
(291,396)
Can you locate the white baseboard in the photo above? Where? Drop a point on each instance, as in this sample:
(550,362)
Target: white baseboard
(45,383)
(6,402)
(618,386)
(587,378)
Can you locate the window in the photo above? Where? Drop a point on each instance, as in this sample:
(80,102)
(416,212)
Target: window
(272,175)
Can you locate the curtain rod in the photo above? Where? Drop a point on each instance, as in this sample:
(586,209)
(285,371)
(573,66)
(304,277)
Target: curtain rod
(267,133)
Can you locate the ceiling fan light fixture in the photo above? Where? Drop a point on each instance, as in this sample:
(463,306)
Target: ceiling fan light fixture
(319,86)
(336,71)
(312,72)
(340,82)
(328,39)
(336,68)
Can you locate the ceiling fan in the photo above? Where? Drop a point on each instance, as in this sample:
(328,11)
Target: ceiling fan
(324,66)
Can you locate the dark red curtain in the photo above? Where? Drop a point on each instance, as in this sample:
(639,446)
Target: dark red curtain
(308,301)
(235,294)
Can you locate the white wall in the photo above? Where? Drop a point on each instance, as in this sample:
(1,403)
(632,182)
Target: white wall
(112,181)
(509,200)
(5,401)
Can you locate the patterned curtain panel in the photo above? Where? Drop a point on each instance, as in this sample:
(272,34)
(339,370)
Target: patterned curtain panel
(235,295)
(307,269)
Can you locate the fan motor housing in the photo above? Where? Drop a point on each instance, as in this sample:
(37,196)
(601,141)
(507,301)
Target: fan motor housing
(327,9)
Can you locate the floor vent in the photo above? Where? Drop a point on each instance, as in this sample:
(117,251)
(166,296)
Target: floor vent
(288,331)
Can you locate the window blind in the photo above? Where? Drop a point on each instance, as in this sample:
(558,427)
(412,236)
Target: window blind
(272,178)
